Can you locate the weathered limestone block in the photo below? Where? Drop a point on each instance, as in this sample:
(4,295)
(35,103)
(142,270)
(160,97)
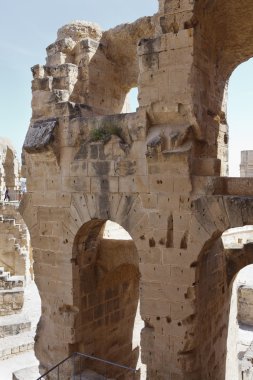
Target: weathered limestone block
(245,305)
(79,30)
(58,51)
(12,301)
(38,71)
(40,136)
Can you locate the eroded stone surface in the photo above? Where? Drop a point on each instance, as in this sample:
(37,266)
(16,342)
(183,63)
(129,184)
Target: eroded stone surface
(157,173)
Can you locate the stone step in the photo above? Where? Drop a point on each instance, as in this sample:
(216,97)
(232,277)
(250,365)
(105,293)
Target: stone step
(16,280)
(9,285)
(9,282)
(31,373)
(13,345)
(4,276)
(9,328)
(10,221)
(11,300)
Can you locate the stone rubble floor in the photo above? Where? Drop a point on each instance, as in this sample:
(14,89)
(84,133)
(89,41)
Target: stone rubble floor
(31,311)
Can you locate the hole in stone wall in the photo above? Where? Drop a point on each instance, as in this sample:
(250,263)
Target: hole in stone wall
(239,118)
(131,102)
(107,294)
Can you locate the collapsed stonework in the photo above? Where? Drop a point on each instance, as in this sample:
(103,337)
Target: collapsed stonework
(157,172)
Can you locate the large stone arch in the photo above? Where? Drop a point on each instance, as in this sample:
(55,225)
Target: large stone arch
(85,222)
(125,209)
(216,269)
(222,41)
(103,65)
(105,295)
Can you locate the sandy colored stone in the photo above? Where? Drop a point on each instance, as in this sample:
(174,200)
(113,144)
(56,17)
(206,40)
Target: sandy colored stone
(159,173)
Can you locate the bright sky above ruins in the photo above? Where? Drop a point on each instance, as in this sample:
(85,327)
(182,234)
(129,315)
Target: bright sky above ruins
(27,28)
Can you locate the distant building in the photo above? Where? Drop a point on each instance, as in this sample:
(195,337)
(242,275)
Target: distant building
(246,166)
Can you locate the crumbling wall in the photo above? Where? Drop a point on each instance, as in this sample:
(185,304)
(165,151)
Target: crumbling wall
(156,172)
(245,305)
(9,170)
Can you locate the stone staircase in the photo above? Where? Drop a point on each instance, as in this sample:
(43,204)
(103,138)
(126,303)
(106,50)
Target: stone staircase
(16,335)
(14,247)
(11,293)
(9,282)
(17,330)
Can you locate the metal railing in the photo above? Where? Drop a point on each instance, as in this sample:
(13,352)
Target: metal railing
(79,366)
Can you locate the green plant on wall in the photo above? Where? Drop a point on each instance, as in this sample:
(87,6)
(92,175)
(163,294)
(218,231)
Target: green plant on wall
(104,133)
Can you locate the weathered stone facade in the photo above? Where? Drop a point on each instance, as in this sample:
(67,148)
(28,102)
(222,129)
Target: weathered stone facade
(246,166)
(157,172)
(9,170)
(14,240)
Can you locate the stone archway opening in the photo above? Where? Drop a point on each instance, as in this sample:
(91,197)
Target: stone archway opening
(221,260)
(239,118)
(131,102)
(239,244)
(106,294)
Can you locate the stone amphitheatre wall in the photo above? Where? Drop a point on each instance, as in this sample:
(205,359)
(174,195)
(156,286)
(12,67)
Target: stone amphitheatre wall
(9,168)
(14,240)
(157,172)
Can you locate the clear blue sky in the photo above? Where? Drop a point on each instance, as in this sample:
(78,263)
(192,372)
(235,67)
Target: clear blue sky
(27,28)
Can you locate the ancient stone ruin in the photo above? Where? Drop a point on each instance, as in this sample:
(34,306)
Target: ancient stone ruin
(13,234)
(160,173)
(15,257)
(246,166)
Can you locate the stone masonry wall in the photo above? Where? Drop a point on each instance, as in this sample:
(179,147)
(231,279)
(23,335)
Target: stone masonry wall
(245,305)
(14,240)
(9,168)
(107,296)
(156,172)
(11,301)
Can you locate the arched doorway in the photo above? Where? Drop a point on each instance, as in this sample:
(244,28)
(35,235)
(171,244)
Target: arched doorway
(131,101)
(217,267)
(240,328)
(106,293)
(239,116)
